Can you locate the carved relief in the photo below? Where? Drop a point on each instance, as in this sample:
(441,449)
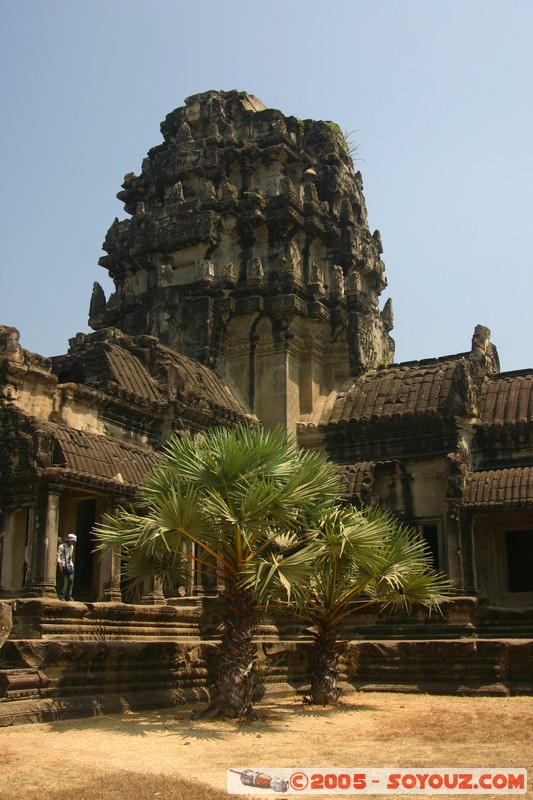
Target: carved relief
(317,274)
(254,269)
(98,300)
(229,192)
(165,272)
(206,271)
(184,134)
(337,281)
(354,283)
(174,193)
(229,274)
(291,263)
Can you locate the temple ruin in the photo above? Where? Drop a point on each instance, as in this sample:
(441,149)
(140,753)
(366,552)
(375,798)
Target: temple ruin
(248,286)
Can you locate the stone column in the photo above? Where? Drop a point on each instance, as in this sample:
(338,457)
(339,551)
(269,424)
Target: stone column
(6,549)
(466,538)
(453,549)
(196,575)
(109,589)
(153,592)
(461,567)
(44,538)
(188,585)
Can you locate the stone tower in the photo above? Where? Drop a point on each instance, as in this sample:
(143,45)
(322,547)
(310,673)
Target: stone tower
(248,250)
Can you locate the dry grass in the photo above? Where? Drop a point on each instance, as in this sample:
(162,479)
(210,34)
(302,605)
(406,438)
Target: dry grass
(119,785)
(159,754)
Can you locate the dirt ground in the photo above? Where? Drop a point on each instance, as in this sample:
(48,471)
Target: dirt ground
(374,730)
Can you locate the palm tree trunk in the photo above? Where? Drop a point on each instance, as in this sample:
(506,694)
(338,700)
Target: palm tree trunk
(324,668)
(236,658)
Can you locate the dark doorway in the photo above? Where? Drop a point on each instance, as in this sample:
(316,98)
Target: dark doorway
(430,534)
(520,560)
(83,581)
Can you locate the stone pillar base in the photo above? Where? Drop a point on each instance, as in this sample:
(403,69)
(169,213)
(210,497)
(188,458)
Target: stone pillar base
(153,599)
(40,590)
(111,596)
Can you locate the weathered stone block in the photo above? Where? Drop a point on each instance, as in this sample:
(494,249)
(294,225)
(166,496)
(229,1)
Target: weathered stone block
(6,621)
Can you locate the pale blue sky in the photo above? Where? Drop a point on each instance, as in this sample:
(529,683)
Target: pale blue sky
(439,93)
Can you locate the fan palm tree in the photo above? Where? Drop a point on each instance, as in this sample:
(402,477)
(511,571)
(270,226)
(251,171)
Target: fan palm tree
(235,501)
(364,557)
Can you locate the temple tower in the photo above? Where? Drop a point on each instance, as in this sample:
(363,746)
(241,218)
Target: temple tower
(248,249)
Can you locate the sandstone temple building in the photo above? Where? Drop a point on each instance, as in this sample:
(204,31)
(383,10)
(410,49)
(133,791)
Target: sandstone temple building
(247,285)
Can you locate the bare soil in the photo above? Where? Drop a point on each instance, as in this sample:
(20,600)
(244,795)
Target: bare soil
(165,748)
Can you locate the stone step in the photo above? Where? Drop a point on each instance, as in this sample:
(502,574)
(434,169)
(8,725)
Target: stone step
(19,683)
(53,619)
(475,661)
(86,631)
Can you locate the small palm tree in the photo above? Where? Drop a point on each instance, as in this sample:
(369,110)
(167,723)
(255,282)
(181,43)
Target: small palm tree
(236,502)
(364,557)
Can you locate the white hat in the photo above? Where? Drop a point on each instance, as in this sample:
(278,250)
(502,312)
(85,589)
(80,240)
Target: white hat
(71,538)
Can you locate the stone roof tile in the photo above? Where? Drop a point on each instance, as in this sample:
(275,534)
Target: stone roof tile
(141,366)
(409,388)
(500,487)
(130,374)
(358,478)
(508,399)
(101,457)
(195,382)
(106,365)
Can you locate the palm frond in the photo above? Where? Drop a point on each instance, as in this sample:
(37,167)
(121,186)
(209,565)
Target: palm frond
(279,575)
(367,552)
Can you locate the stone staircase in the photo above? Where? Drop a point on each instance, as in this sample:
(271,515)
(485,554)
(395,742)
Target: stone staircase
(56,620)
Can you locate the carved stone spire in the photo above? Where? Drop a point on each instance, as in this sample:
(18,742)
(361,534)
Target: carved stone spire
(237,183)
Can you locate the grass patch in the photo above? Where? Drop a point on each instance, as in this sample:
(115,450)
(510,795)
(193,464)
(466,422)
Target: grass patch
(121,785)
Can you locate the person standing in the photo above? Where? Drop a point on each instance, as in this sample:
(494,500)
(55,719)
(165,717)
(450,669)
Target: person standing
(65,567)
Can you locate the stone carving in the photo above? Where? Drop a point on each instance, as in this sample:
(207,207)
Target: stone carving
(174,193)
(310,193)
(207,270)
(484,352)
(286,186)
(291,263)
(184,134)
(254,269)
(229,192)
(209,190)
(9,392)
(337,288)
(387,315)
(9,344)
(255,210)
(317,274)
(462,397)
(457,478)
(346,213)
(229,274)
(165,273)
(353,282)
(98,300)
(6,621)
